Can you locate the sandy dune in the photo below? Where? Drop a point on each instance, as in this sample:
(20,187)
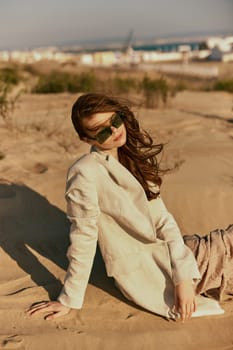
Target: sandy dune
(197,128)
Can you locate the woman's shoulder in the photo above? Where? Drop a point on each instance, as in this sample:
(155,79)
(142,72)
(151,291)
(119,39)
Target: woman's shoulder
(83,164)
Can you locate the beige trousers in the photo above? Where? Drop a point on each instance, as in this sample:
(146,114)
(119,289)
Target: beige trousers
(214,255)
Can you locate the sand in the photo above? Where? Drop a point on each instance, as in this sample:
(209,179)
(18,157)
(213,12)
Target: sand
(197,130)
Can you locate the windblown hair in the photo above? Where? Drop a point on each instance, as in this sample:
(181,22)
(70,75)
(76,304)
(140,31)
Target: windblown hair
(139,152)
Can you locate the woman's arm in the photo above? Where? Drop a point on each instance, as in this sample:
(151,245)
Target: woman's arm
(183,262)
(82,211)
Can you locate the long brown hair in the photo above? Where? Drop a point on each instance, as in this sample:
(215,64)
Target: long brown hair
(139,152)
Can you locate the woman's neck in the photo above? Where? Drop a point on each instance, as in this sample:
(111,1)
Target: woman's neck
(113,152)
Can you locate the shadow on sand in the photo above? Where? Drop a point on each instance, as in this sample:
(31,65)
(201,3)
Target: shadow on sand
(28,222)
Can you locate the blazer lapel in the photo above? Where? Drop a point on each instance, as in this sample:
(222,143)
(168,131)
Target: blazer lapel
(123,177)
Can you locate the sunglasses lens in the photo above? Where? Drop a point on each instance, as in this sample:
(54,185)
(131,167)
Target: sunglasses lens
(103,135)
(117,121)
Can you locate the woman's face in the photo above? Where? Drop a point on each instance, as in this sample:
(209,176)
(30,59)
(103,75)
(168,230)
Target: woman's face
(95,125)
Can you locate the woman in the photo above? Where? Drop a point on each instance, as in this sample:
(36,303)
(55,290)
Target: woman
(113,196)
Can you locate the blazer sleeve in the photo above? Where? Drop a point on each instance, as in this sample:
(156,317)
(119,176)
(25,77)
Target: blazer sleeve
(83,212)
(183,262)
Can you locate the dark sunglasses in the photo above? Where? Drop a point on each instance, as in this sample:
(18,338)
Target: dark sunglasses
(116,121)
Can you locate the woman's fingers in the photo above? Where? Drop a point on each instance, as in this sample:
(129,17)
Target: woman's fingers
(36,307)
(189,310)
(194,305)
(54,315)
(186,310)
(53,309)
(44,308)
(185,299)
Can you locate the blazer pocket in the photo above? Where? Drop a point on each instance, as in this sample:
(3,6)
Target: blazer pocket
(154,255)
(124,264)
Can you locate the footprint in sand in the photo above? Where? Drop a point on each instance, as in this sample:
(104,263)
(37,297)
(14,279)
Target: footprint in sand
(12,342)
(36,168)
(130,316)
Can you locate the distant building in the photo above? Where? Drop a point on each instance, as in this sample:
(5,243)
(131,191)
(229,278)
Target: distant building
(86,59)
(221,49)
(218,55)
(4,56)
(215,48)
(110,58)
(156,56)
(31,56)
(105,58)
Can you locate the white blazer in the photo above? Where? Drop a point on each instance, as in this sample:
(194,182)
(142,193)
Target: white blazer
(140,242)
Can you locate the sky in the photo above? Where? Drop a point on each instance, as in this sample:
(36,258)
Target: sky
(26,24)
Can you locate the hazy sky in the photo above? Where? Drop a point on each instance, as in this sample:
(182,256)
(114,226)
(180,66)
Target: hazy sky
(30,23)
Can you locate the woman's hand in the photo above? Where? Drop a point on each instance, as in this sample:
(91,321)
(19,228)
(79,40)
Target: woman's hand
(185,302)
(54,309)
